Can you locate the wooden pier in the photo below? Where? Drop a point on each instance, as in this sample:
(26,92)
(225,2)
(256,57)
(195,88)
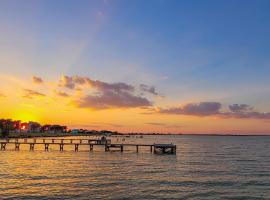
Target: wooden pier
(76,143)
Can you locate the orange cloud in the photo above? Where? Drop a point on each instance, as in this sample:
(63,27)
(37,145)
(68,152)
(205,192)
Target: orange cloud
(67,82)
(31,94)
(61,94)
(2,95)
(37,80)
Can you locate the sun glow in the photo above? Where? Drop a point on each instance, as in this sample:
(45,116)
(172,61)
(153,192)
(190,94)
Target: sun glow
(23,127)
(25,117)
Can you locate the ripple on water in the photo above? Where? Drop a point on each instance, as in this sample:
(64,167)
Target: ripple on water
(204,168)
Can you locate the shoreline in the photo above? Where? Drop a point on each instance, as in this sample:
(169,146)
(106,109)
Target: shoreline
(34,135)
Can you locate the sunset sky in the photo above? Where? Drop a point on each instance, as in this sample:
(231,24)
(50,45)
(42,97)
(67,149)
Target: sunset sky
(169,66)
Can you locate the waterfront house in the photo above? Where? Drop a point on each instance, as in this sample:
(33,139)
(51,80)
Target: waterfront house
(53,129)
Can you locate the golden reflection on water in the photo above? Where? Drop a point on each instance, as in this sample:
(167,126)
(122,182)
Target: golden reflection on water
(213,166)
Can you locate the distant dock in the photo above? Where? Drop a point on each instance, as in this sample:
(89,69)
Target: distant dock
(91,143)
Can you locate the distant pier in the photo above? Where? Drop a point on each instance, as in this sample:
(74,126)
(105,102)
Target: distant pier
(76,143)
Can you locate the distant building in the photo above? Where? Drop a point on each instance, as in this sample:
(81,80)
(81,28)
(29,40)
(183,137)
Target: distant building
(9,126)
(106,132)
(75,131)
(45,128)
(17,126)
(58,129)
(53,129)
(34,127)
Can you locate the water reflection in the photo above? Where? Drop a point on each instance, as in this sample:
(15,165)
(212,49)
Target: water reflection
(204,167)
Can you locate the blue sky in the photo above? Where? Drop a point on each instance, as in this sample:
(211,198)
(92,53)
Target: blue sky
(211,50)
(189,40)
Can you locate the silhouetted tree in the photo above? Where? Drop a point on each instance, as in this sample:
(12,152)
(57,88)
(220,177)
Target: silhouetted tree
(6,125)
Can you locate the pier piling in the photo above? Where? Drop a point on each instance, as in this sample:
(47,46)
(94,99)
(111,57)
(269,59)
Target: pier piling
(61,147)
(76,147)
(17,146)
(3,146)
(91,147)
(46,147)
(107,148)
(32,146)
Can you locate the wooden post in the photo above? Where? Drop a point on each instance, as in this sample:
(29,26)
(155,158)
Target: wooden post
(43,140)
(35,140)
(122,148)
(151,148)
(61,147)
(17,146)
(91,147)
(32,145)
(52,140)
(46,147)
(174,150)
(137,148)
(76,147)
(3,146)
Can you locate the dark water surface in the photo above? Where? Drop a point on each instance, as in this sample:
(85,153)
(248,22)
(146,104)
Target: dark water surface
(205,167)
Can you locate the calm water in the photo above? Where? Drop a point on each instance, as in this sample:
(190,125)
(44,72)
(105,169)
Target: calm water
(205,167)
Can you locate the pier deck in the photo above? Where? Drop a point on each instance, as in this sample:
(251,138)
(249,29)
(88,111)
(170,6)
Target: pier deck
(165,148)
(108,146)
